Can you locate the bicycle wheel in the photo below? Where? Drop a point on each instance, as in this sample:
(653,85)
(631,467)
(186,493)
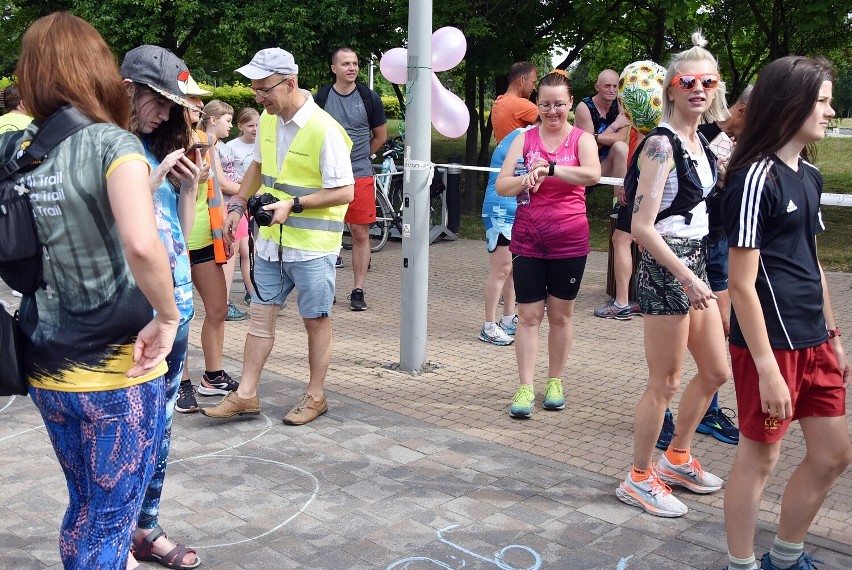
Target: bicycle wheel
(395,194)
(437,213)
(378,230)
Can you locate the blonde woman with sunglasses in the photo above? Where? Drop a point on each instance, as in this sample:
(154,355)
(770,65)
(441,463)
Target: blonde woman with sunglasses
(676,171)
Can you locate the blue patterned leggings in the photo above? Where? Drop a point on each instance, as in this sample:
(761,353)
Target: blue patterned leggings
(148,518)
(105,443)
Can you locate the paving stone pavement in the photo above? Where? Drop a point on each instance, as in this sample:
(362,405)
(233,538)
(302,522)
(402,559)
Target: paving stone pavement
(419,471)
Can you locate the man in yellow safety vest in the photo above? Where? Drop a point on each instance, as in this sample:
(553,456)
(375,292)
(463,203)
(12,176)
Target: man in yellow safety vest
(301,158)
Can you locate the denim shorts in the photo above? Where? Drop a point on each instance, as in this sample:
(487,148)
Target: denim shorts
(717,264)
(312,279)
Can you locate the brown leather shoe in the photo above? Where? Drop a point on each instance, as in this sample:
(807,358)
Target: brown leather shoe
(233,405)
(307,410)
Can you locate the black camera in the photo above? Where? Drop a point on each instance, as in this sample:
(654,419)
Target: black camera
(255,208)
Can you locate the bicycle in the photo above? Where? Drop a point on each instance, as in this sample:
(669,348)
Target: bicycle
(389,199)
(393,190)
(387,184)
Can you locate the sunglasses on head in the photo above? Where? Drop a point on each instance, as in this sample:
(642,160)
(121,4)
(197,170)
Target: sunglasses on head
(687,82)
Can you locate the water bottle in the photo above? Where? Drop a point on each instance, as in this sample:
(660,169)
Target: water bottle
(521,170)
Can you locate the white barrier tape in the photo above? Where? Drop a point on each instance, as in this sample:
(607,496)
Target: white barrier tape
(827,199)
(418,165)
(836,200)
(465,167)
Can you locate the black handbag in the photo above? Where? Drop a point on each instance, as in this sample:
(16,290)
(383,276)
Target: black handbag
(12,380)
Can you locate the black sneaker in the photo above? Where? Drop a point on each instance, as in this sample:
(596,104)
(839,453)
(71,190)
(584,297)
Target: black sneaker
(356,300)
(186,402)
(615,208)
(218,386)
(667,433)
(717,422)
(338,263)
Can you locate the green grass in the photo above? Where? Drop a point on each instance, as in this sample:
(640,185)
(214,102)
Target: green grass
(833,160)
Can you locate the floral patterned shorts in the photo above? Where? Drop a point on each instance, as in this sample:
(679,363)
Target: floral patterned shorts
(659,291)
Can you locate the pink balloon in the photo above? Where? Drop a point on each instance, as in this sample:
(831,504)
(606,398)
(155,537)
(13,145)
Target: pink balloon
(448,48)
(394,65)
(449,113)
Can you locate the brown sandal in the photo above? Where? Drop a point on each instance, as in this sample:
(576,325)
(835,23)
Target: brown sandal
(143,551)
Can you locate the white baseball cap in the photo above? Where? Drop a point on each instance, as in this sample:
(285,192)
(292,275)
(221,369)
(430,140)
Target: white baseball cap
(193,88)
(269,61)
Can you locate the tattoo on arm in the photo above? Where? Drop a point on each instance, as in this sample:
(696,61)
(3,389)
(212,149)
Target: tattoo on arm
(659,150)
(636,205)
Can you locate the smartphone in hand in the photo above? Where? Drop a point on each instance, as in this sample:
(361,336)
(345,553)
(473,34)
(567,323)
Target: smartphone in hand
(197,146)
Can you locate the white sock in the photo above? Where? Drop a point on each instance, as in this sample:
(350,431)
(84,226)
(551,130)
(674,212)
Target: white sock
(507,319)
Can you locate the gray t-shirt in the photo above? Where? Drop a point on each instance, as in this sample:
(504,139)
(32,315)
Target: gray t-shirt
(348,110)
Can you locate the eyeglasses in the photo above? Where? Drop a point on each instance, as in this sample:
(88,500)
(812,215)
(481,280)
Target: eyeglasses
(554,106)
(687,82)
(265,92)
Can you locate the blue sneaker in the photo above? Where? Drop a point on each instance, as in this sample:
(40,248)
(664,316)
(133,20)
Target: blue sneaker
(667,432)
(235,314)
(522,403)
(805,562)
(511,328)
(717,422)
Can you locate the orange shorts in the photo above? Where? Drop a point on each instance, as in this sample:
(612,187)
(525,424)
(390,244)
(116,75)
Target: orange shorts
(813,378)
(362,209)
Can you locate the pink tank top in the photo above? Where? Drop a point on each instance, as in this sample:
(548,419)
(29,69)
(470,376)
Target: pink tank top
(554,224)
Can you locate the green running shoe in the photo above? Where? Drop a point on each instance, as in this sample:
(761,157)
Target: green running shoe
(522,403)
(553,397)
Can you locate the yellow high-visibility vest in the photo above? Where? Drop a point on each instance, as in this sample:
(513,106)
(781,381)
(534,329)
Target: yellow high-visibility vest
(315,229)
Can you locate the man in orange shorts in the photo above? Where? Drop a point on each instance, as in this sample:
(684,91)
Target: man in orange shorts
(359,110)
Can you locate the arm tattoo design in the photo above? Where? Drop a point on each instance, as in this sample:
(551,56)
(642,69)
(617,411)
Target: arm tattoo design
(659,149)
(638,201)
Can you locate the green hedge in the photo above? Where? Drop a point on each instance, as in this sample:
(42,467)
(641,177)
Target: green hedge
(237,96)
(391,104)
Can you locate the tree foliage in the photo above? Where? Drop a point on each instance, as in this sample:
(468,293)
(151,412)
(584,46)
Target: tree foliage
(217,36)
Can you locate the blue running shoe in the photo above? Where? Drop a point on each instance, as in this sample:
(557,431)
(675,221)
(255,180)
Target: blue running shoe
(510,328)
(667,432)
(717,422)
(235,314)
(805,562)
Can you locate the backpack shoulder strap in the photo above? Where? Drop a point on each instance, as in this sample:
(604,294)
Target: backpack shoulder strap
(58,127)
(367,98)
(322,96)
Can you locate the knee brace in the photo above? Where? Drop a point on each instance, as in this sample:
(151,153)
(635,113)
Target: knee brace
(262,320)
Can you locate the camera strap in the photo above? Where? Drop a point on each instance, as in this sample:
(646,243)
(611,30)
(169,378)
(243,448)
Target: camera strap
(252,229)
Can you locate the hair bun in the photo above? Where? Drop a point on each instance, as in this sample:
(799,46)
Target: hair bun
(698,39)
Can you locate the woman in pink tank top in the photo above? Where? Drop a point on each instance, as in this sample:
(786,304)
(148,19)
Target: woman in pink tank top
(550,238)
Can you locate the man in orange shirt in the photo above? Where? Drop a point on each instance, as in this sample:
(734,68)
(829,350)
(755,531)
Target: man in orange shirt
(514,109)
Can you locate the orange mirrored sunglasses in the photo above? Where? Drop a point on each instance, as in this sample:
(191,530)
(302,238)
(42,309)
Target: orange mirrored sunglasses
(687,82)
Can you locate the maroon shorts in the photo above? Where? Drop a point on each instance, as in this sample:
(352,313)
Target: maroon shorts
(812,376)
(362,209)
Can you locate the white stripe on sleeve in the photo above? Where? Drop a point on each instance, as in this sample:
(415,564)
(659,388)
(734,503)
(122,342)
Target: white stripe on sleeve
(750,205)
